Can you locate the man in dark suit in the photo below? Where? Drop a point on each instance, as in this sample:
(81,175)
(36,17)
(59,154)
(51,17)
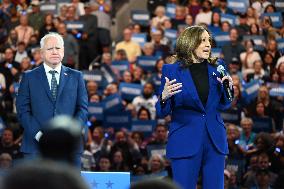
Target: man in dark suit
(49,90)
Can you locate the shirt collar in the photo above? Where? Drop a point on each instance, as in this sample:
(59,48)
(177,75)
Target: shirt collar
(47,68)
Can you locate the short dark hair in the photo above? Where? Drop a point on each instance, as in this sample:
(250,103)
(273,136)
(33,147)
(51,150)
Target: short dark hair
(44,175)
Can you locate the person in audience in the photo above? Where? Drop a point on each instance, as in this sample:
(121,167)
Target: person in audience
(8,145)
(247,137)
(156,164)
(205,15)
(160,17)
(24,30)
(47,26)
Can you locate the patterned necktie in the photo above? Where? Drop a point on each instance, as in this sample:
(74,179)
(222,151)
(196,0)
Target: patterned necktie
(53,85)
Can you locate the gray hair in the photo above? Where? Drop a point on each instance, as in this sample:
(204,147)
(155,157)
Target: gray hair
(51,34)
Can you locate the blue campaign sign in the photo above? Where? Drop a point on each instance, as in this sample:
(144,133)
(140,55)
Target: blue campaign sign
(145,127)
(2,126)
(108,73)
(107,180)
(139,38)
(171,10)
(230,18)
(49,8)
(238,5)
(159,149)
(221,38)
(258,41)
(262,124)
(140,16)
(129,91)
(250,90)
(97,110)
(277,90)
(112,103)
(117,120)
(276,18)
(231,116)
(121,65)
(280,43)
(171,34)
(74,25)
(94,75)
(216,52)
(214,29)
(279,4)
(147,63)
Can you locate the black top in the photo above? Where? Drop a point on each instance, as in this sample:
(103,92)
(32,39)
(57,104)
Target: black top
(199,73)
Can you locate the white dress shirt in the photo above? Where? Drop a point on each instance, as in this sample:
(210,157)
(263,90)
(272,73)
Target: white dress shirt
(49,75)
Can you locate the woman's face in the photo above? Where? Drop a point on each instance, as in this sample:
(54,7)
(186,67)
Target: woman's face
(160,65)
(268,59)
(253,29)
(225,27)
(250,12)
(260,109)
(143,115)
(48,19)
(203,50)
(216,17)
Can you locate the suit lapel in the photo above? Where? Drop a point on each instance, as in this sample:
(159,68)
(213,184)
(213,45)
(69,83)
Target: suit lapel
(43,80)
(211,70)
(190,86)
(64,76)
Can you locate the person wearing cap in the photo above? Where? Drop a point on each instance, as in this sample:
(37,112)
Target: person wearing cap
(36,17)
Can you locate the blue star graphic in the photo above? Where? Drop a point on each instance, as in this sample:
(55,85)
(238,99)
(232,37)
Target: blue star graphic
(94,184)
(109,184)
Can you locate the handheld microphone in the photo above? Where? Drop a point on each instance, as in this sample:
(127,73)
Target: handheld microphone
(222,72)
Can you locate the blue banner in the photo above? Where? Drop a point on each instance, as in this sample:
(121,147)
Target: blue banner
(231,116)
(262,124)
(216,52)
(147,63)
(156,149)
(276,89)
(276,18)
(251,90)
(112,103)
(221,38)
(74,25)
(279,4)
(145,127)
(171,10)
(49,8)
(96,110)
(141,17)
(129,91)
(108,74)
(171,34)
(230,18)
(139,38)
(107,180)
(117,120)
(120,65)
(280,44)
(94,75)
(238,5)
(2,126)
(258,41)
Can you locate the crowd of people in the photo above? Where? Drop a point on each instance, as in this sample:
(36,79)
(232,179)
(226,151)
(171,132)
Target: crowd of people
(254,122)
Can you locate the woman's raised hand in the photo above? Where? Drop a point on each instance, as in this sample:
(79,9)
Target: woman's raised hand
(170,88)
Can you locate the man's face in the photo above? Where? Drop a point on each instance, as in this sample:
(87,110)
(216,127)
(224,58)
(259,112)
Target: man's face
(148,89)
(7,137)
(8,54)
(52,52)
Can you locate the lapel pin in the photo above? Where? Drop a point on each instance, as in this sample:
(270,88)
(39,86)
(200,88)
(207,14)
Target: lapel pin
(65,73)
(213,73)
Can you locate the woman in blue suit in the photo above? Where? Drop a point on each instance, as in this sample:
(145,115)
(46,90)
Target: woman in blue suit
(192,92)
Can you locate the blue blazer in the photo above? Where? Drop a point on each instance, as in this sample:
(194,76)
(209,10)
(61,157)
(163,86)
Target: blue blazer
(35,106)
(188,115)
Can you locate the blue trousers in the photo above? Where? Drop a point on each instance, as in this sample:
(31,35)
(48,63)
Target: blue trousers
(208,162)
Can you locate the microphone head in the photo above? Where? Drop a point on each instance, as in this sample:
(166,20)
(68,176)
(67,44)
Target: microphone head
(220,69)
